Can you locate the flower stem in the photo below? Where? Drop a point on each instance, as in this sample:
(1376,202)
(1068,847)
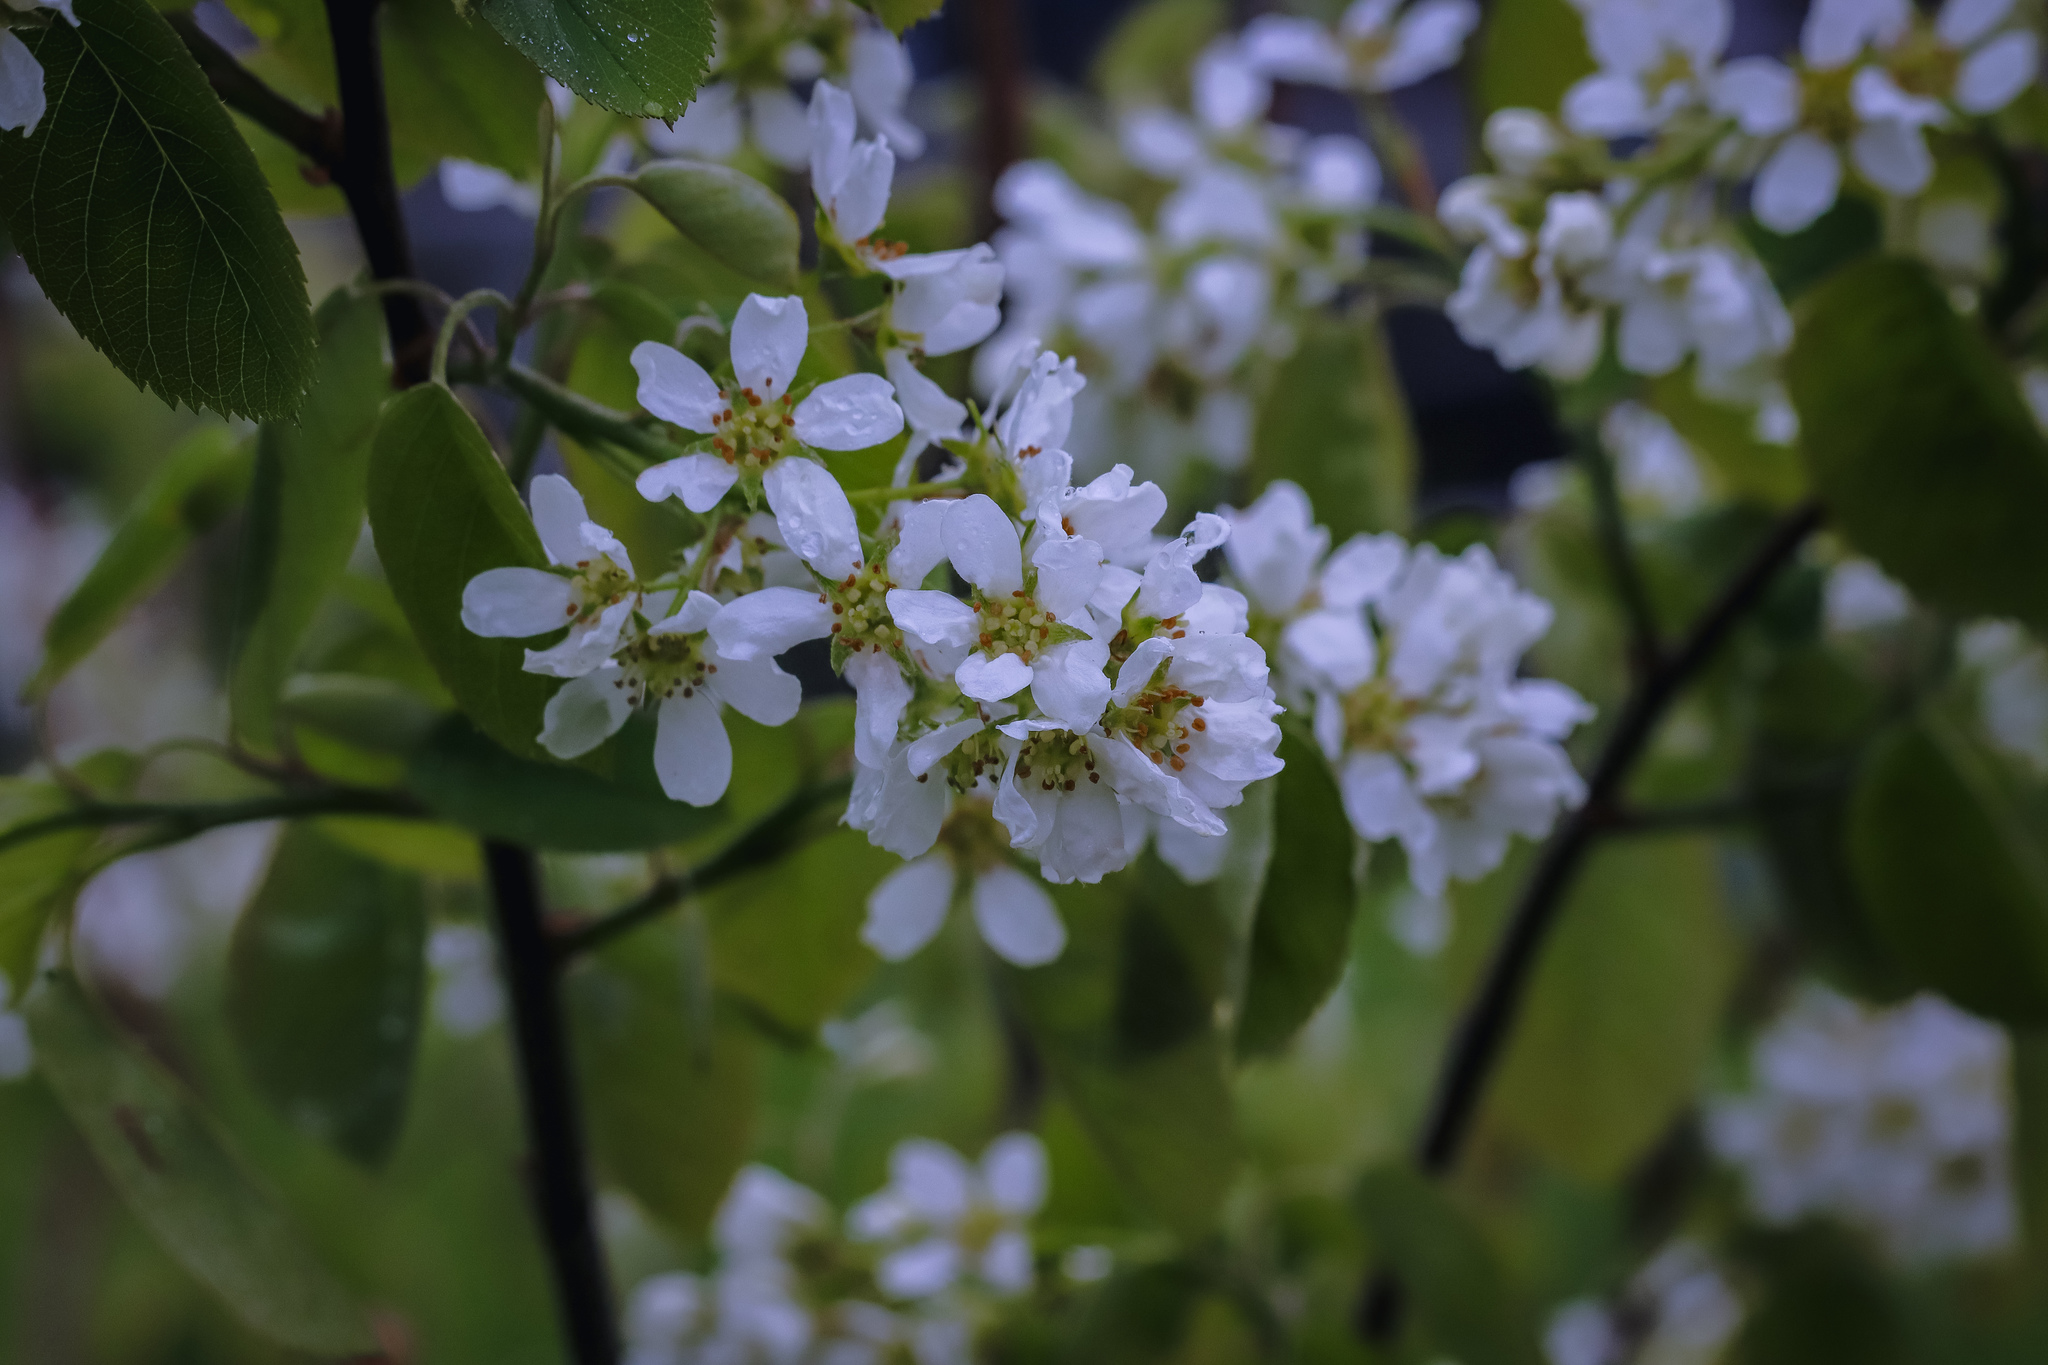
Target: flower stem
(912,490)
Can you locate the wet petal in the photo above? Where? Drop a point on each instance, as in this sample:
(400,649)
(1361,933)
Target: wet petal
(982,543)
(938,618)
(769,337)
(813,516)
(692,756)
(987,679)
(699,480)
(675,388)
(757,689)
(763,624)
(558,515)
(584,713)
(880,693)
(513,603)
(849,414)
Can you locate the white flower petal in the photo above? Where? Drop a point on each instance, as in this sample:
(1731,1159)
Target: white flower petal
(692,756)
(1760,93)
(769,337)
(1893,156)
(22,101)
(813,515)
(857,203)
(1219,667)
(584,713)
(996,679)
(832,127)
(696,612)
(920,542)
(675,388)
(763,624)
(757,689)
(1334,647)
(934,415)
(880,693)
(852,413)
(1137,671)
(558,514)
(1798,184)
(1994,75)
(699,480)
(908,906)
(937,618)
(1017,921)
(1070,682)
(1962,22)
(513,603)
(920,1271)
(982,543)
(1006,1264)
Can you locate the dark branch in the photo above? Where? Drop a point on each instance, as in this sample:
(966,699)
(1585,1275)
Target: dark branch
(314,138)
(182,821)
(998,41)
(763,841)
(558,1168)
(368,182)
(1476,1046)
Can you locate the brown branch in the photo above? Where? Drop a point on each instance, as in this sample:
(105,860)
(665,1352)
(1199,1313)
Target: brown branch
(312,137)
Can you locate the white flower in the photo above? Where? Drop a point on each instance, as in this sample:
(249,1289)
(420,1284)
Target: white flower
(849,178)
(624,649)
(17,1053)
(1372,49)
(1409,659)
(1031,426)
(1654,464)
(1519,294)
(1655,58)
(947,1222)
(1016,917)
(1897,1120)
(2012,696)
(722,114)
(1863,89)
(22,102)
(879,1044)
(1677,1310)
(474,188)
(467,997)
(759,431)
(1012,635)
(878,73)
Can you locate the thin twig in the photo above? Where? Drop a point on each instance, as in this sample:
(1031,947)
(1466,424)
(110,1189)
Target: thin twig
(185,819)
(1482,1032)
(762,842)
(558,1166)
(1646,644)
(316,139)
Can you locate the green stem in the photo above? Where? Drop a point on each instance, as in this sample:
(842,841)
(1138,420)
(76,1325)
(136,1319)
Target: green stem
(457,313)
(580,417)
(183,820)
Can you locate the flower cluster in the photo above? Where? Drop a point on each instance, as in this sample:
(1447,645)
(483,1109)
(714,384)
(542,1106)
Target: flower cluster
(1567,238)
(1897,1120)
(1259,224)
(22,101)
(1676,1310)
(916,1270)
(1408,659)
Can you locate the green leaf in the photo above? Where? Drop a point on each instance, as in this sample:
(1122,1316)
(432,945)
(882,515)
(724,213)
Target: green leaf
(305,508)
(199,482)
(144,217)
(1301,933)
(899,15)
(1919,442)
(1623,1009)
(787,938)
(442,512)
(1461,1295)
(1823,1299)
(1797,261)
(1335,423)
(639,57)
(465,779)
(1126,1019)
(1152,50)
(1749,468)
(734,218)
(1529,52)
(376,714)
(174,1169)
(1955,880)
(672,1092)
(325,984)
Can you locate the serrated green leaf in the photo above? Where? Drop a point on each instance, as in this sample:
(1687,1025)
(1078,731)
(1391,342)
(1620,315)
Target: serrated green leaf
(1920,444)
(1466,1305)
(1623,1008)
(326,979)
(672,1096)
(467,780)
(734,218)
(639,57)
(198,483)
(1302,929)
(305,508)
(144,217)
(1335,423)
(176,1172)
(1955,880)
(442,512)
(899,15)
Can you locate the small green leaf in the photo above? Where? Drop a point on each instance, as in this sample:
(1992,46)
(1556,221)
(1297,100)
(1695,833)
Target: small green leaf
(672,1096)
(1335,423)
(1919,443)
(1955,880)
(174,1169)
(1302,930)
(467,780)
(1528,53)
(1623,1009)
(200,482)
(735,219)
(899,15)
(305,508)
(442,512)
(1462,1297)
(638,57)
(325,984)
(146,220)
